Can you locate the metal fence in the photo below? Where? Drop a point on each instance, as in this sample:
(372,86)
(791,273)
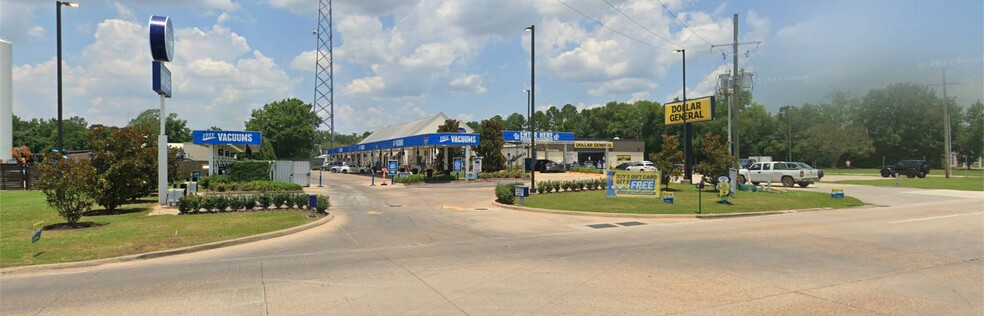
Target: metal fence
(292,172)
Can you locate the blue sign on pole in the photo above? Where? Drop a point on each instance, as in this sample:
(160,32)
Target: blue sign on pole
(161,38)
(162,79)
(226,138)
(391,167)
(522,136)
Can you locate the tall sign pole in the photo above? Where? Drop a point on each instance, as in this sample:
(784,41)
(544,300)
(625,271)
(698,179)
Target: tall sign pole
(162,51)
(532,31)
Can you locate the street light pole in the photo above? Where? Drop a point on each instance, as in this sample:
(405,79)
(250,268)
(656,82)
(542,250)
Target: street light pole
(687,154)
(529,120)
(58,5)
(532,31)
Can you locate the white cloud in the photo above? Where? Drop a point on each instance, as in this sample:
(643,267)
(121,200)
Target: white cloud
(304,61)
(17,21)
(215,83)
(467,84)
(35,33)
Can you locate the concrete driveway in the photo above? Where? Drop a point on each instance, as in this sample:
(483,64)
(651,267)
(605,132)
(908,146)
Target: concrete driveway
(443,249)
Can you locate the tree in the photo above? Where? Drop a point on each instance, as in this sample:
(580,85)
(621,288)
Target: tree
(67,186)
(41,135)
(125,160)
(829,142)
(177,129)
(288,125)
(971,137)
(717,160)
(515,122)
(490,145)
(666,159)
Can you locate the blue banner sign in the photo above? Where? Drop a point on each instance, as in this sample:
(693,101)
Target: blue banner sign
(436,139)
(392,166)
(162,79)
(226,138)
(546,137)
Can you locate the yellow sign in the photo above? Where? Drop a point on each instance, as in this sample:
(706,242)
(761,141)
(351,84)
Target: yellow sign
(593,145)
(697,110)
(624,157)
(631,183)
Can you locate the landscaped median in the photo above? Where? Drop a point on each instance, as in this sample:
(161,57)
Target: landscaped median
(126,231)
(685,201)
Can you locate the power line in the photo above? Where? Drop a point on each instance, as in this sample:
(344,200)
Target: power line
(613,30)
(640,25)
(681,22)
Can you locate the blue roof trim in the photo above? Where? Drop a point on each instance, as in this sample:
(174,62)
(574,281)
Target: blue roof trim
(434,139)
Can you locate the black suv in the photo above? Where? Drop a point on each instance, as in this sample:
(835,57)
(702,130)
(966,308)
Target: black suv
(910,168)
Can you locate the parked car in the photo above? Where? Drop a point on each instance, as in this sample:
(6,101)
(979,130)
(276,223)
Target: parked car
(910,168)
(642,166)
(788,173)
(623,165)
(543,165)
(351,169)
(330,166)
(804,165)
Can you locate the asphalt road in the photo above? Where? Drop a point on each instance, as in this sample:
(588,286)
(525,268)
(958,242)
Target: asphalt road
(443,249)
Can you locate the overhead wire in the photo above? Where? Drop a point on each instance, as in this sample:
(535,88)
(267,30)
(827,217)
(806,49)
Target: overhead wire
(640,24)
(610,28)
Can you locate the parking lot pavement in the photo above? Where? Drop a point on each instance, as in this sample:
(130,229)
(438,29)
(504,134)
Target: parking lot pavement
(443,249)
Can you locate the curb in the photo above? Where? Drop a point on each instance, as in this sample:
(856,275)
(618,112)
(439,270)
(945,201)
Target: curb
(629,215)
(169,252)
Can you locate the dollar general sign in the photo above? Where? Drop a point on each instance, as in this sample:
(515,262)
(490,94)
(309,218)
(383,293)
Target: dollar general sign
(696,110)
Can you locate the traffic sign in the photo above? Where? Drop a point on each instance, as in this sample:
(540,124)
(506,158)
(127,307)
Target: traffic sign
(391,167)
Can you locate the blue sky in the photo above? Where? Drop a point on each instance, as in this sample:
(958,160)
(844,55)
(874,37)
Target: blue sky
(399,60)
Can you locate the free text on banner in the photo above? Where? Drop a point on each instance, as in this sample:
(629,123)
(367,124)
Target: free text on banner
(632,183)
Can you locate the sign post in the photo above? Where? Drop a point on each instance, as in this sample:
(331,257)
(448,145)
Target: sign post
(457,166)
(690,111)
(162,50)
(522,192)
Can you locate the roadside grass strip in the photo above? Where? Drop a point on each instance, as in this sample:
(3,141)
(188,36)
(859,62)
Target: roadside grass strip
(963,184)
(128,231)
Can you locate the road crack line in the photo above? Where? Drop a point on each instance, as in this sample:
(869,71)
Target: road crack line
(77,287)
(266,303)
(424,282)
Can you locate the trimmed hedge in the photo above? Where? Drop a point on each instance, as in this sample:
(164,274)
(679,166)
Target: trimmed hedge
(504,174)
(191,204)
(258,185)
(572,185)
(587,170)
(249,170)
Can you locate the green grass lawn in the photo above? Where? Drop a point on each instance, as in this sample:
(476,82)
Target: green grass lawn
(965,184)
(130,232)
(685,202)
(932,172)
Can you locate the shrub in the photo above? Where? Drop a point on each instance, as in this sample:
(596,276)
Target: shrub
(540,187)
(125,163)
(249,202)
(323,203)
(250,170)
(411,179)
(207,182)
(300,200)
(67,185)
(505,192)
(209,202)
(222,202)
(277,200)
(189,204)
(235,202)
(264,200)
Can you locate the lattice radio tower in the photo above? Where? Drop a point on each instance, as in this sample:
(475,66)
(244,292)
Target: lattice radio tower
(324,83)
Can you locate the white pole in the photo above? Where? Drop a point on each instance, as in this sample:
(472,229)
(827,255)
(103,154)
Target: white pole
(162,159)
(6,101)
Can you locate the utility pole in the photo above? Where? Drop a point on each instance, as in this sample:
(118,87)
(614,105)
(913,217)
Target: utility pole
(324,78)
(946,124)
(734,99)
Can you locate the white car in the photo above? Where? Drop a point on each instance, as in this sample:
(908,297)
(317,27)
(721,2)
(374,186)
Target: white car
(350,169)
(643,166)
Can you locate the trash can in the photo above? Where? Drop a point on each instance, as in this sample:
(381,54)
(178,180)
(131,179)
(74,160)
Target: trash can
(430,172)
(313,201)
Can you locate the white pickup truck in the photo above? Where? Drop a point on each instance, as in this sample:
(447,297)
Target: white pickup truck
(788,174)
